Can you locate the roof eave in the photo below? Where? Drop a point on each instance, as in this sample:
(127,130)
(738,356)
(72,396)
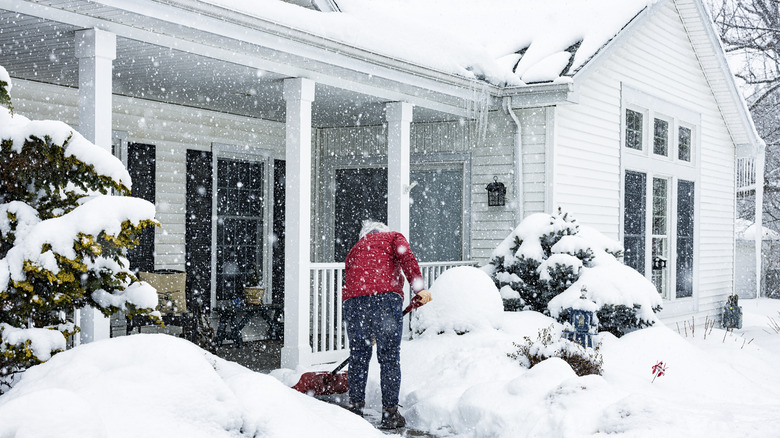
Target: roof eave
(539,95)
(745,118)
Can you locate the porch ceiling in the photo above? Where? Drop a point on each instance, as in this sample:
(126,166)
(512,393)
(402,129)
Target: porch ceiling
(43,50)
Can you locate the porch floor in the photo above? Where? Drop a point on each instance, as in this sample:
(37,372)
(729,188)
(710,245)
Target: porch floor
(261,356)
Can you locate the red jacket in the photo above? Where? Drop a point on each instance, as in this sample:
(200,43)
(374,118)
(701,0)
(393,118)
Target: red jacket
(374,266)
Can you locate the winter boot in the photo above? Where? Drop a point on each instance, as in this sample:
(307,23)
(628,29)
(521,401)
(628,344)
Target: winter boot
(391,418)
(356,408)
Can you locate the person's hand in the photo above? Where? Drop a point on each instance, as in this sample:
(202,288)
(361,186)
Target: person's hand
(425,296)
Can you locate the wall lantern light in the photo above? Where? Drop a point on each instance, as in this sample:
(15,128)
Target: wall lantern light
(496,193)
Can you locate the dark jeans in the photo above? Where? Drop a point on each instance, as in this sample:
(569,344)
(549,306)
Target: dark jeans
(378,317)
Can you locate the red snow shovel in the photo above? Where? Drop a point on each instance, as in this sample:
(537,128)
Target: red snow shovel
(335,382)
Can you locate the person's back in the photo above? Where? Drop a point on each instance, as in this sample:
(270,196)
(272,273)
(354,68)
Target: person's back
(375,263)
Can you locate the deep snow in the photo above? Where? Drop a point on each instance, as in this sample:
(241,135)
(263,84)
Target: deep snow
(454,385)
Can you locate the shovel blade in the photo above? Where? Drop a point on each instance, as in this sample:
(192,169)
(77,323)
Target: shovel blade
(323,383)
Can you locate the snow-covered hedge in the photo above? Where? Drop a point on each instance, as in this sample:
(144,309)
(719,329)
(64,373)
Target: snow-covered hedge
(547,262)
(464,299)
(63,235)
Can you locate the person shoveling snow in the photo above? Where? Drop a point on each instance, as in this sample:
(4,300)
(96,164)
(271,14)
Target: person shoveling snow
(373,298)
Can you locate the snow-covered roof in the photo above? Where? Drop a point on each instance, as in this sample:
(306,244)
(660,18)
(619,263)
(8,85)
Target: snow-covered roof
(503,42)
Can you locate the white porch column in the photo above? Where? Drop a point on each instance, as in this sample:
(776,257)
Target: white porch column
(95,49)
(299,94)
(399,120)
(759,166)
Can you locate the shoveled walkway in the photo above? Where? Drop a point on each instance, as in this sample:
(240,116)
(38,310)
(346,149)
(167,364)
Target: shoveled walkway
(262,356)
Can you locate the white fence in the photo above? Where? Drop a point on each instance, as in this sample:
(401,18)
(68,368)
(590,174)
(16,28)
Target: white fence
(328,335)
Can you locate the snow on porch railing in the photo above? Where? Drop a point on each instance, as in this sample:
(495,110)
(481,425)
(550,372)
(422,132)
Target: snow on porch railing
(431,270)
(328,335)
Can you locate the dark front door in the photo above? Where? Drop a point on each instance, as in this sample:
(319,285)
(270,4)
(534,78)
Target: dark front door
(360,194)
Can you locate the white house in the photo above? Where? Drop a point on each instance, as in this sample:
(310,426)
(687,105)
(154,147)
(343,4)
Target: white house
(265,132)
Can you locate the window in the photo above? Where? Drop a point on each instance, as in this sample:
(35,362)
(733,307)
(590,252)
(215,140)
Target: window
(438,194)
(362,194)
(633,130)
(660,235)
(684,144)
(634,221)
(239,225)
(661,258)
(659,185)
(661,137)
(685,209)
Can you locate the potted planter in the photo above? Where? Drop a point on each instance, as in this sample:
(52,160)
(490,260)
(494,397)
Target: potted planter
(254,290)
(254,294)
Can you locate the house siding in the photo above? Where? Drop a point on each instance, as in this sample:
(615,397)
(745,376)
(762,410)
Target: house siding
(659,60)
(172,129)
(492,155)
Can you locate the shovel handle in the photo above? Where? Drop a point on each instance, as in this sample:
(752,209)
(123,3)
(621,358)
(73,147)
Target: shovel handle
(415,303)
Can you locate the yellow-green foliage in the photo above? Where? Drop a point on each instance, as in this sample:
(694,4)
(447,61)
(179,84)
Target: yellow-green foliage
(40,174)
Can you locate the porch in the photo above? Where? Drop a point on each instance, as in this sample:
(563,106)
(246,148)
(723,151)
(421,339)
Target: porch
(326,331)
(187,108)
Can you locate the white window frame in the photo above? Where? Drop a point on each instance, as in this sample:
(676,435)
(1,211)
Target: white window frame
(669,167)
(246,153)
(417,161)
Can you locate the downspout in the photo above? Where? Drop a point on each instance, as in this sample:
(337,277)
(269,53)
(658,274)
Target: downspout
(518,167)
(759,166)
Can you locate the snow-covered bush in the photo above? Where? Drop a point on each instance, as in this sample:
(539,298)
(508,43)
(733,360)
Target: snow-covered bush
(548,259)
(464,299)
(63,235)
(582,360)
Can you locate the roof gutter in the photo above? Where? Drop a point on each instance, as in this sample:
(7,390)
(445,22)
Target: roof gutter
(538,95)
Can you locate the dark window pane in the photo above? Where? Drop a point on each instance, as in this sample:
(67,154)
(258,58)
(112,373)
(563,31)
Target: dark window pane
(634,220)
(633,130)
(360,194)
(659,205)
(141,165)
(661,137)
(684,144)
(439,194)
(685,223)
(240,224)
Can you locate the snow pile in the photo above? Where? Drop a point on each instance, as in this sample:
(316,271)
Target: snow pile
(549,261)
(608,281)
(503,42)
(746,230)
(724,384)
(464,299)
(158,385)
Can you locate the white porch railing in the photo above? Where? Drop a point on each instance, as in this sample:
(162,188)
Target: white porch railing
(328,335)
(746,176)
